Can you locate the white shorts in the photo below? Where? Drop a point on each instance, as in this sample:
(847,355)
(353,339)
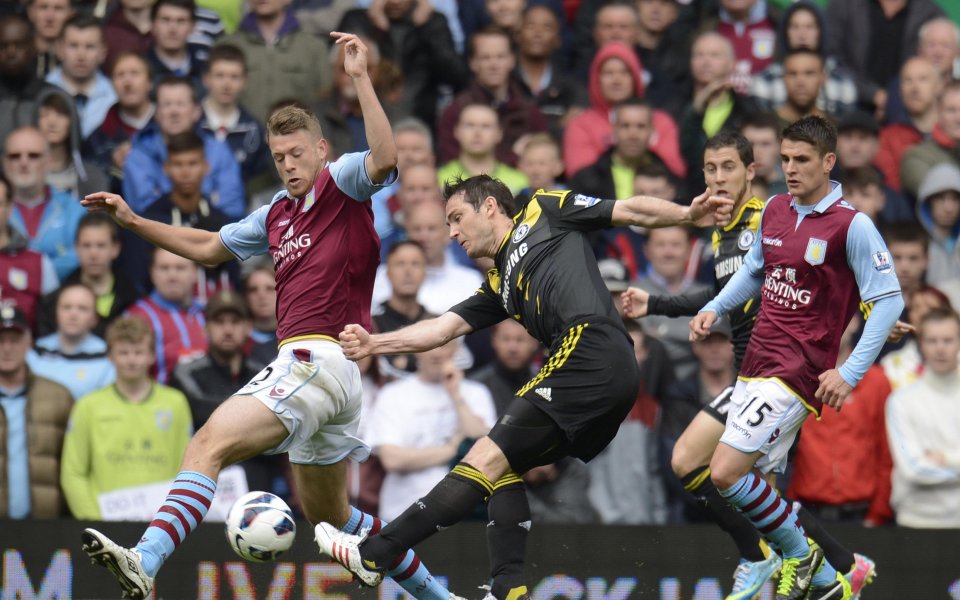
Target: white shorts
(316,392)
(764,416)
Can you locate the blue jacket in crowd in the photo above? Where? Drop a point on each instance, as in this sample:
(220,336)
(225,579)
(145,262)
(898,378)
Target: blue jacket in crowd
(58,228)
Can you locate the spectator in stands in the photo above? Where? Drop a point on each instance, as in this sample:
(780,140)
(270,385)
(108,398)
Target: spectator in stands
(260,290)
(228,121)
(863,188)
(939,210)
(283,61)
(681,402)
(612,174)
(67,171)
(110,143)
(418,423)
(48,17)
(939,44)
(668,251)
(185,205)
(127,30)
(414,143)
(419,184)
(515,352)
(72,355)
(803,81)
(20,88)
(540,71)
(149,432)
(802,26)
(762,129)
(662,46)
(841,467)
(30,274)
(416,37)
(171,54)
(97,245)
(144,178)
(172,312)
(858,144)
(714,106)
(922,424)
(478,135)
(903,366)
(943,146)
(752,29)
(872,39)
(626,481)
(447,282)
(82,50)
(35,414)
(615,76)
(492,60)
(45,216)
(406,270)
(542,165)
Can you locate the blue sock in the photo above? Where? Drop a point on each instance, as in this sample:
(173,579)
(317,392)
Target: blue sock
(409,572)
(187,503)
(769,513)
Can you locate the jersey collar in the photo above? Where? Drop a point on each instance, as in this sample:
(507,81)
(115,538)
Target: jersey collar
(836,193)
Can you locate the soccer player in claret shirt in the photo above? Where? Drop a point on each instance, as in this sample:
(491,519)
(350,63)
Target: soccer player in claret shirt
(729,170)
(814,259)
(546,278)
(307,402)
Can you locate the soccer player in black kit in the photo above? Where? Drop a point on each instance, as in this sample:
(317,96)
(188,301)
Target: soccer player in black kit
(546,278)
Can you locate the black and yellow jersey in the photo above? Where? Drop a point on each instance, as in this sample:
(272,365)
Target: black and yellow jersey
(730,245)
(545,275)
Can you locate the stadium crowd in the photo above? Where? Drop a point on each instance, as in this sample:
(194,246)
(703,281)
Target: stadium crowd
(112,353)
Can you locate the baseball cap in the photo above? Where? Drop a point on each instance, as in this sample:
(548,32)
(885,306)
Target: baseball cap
(12,317)
(941,178)
(614,274)
(226,301)
(858,120)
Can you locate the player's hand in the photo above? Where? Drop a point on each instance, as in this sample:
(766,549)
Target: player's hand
(899,330)
(112,204)
(700,325)
(354,55)
(833,390)
(708,211)
(355,341)
(634,302)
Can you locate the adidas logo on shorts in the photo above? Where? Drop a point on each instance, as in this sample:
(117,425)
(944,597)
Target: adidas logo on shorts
(545,393)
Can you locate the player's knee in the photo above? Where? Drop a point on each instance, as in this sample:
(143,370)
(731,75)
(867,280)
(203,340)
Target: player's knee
(724,475)
(486,457)
(683,461)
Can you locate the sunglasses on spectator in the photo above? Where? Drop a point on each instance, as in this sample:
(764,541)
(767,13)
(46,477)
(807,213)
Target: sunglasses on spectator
(29,155)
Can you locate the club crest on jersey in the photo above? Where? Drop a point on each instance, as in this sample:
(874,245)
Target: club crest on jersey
(585,201)
(816,252)
(163,420)
(18,279)
(881,262)
(521,232)
(746,239)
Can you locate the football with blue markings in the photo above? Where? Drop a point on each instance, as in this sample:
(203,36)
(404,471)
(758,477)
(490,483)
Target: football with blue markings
(260,527)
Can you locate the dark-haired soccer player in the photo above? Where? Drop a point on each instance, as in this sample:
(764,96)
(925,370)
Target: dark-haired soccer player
(729,170)
(814,259)
(546,278)
(319,231)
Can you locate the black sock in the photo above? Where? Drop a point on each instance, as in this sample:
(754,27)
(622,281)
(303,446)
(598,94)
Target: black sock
(728,518)
(837,555)
(448,502)
(507,531)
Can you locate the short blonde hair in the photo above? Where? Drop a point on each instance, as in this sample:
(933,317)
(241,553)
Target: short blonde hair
(131,330)
(290,119)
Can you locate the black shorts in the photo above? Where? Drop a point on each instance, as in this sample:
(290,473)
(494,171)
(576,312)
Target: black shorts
(575,404)
(718,407)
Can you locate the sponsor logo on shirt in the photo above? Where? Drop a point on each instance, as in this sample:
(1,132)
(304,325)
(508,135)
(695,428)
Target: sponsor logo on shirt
(545,393)
(780,287)
(769,241)
(511,261)
(728,266)
(290,246)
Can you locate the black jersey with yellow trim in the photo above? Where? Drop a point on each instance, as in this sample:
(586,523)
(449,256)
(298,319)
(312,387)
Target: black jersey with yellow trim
(545,275)
(730,246)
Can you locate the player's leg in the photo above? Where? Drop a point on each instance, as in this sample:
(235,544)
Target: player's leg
(323,496)
(240,428)
(690,462)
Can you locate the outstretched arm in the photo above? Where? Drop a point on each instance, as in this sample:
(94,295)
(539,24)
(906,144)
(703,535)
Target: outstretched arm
(424,335)
(382,159)
(198,245)
(647,211)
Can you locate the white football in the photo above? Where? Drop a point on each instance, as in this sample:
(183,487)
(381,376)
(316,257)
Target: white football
(260,527)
